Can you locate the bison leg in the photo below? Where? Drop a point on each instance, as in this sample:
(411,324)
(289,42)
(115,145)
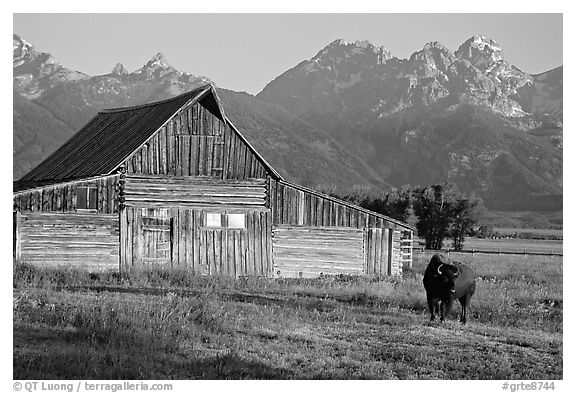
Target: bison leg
(432,306)
(465,302)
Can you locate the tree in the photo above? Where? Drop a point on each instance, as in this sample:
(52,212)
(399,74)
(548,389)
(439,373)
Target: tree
(434,206)
(465,214)
(485,230)
(396,204)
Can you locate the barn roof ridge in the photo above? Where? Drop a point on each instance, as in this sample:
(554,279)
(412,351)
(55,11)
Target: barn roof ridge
(199,89)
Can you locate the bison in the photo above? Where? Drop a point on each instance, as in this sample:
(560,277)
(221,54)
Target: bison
(445,282)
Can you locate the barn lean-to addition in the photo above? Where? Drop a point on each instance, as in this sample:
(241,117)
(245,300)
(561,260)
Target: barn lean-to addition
(173,184)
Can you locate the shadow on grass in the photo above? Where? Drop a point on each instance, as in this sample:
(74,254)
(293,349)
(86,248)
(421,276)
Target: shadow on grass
(54,353)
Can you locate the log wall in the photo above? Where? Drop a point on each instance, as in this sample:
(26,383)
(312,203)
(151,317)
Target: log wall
(196,143)
(312,251)
(171,191)
(63,197)
(87,241)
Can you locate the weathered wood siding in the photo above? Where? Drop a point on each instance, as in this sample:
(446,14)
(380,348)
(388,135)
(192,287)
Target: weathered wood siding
(311,251)
(63,198)
(196,143)
(378,255)
(294,206)
(396,246)
(173,191)
(87,241)
(239,161)
(184,242)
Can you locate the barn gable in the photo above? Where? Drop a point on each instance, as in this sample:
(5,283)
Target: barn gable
(121,136)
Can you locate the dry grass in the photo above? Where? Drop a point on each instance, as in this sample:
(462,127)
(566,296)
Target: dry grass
(69,324)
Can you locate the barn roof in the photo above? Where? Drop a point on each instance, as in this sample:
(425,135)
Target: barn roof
(107,140)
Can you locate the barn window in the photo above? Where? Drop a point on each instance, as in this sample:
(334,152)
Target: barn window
(219,220)
(214,220)
(236,221)
(86,198)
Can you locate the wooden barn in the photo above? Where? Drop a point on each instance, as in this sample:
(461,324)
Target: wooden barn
(173,184)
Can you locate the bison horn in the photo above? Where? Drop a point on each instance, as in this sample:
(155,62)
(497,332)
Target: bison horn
(439,266)
(457,271)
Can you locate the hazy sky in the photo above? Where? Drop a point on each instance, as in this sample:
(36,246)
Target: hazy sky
(244,52)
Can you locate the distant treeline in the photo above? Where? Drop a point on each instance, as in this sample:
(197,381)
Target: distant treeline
(488,231)
(438,212)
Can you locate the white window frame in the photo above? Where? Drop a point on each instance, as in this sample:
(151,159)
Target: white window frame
(214,220)
(236,226)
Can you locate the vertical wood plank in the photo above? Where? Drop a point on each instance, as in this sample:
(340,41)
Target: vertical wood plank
(174,239)
(384,243)
(201,156)
(203,249)
(238,271)
(196,238)
(209,156)
(390,250)
(210,249)
(194,111)
(224,265)
(163,158)
(225,153)
(187,166)
(138,238)
(17,217)
(258,244)
(232,159)
(269,254)
(378,251)
(372,254)
(217,250)
(250,244)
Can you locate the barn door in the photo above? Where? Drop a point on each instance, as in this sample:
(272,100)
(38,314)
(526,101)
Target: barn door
(157,241)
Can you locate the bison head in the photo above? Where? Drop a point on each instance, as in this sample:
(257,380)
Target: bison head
(446,274)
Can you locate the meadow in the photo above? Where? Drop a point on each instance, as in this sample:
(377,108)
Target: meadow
(514,245)
(171,325)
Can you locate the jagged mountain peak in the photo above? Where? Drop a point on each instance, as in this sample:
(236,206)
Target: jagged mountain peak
(36,72)
(119,69)
(481,51)
(157,67)
(158,60)
(21,47)
(341,48)
(436,45)
(480,42)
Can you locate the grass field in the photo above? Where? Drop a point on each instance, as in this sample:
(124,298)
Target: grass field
(514,245)
(69,324)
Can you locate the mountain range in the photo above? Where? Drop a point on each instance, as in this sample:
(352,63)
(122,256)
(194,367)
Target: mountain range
(351,117)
